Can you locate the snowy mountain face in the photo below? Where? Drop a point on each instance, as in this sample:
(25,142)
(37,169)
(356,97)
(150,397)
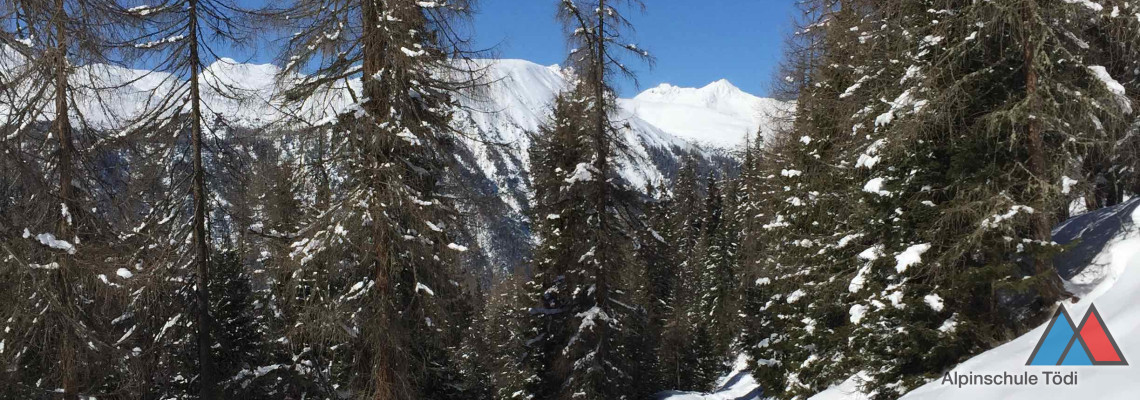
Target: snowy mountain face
(718,114)
(660,126)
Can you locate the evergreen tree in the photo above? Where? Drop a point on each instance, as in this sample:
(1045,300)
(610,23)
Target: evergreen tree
(587,278)
(972,240)
(655,251)
(239,324)
(932,239)
(501,349)
(809,226)
(718,280)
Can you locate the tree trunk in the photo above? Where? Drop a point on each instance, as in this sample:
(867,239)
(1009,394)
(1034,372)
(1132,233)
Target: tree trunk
(602,263)
(384,378)
(1041,229)
(601,160)
(208,389)
(68,353)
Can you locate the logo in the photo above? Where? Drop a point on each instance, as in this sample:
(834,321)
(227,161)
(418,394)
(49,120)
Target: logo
(1065,343)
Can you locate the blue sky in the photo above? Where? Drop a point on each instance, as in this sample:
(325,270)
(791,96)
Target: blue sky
(695,41)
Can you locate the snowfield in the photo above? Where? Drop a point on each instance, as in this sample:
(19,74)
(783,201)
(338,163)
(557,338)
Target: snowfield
(1109,252)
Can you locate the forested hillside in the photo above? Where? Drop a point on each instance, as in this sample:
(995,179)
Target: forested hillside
(385,213)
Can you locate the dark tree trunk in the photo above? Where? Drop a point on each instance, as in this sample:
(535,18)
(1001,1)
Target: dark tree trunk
(1041,229)
(208,389)
(68,352)
(601,151)
(383,375)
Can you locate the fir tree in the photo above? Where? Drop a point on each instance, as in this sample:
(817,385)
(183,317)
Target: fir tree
(589,312)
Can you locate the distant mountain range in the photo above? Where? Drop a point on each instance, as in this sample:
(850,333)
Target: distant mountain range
(663,124)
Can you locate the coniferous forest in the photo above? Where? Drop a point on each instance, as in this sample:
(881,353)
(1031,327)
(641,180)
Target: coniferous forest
(892,219)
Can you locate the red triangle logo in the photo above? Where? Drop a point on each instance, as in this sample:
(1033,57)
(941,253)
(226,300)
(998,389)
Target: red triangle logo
(1100,344)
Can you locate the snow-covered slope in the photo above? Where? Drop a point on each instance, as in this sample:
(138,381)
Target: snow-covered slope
(737,385)
(718,114)
(1104,268)
(1101,266)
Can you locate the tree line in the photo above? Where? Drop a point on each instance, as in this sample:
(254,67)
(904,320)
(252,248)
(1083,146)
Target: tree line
(893,221)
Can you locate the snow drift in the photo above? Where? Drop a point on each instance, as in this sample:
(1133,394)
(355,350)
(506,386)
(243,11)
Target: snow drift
(737,385)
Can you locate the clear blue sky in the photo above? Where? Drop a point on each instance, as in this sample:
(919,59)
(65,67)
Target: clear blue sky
(695,41)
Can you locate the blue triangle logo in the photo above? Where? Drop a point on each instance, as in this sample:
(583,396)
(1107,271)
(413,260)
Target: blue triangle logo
(1056,341)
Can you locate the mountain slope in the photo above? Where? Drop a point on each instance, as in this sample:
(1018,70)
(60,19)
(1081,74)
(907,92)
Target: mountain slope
(496,122)
(502,119)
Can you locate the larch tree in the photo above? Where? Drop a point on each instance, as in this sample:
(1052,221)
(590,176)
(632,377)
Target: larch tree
(379,304)
(178,43)
(62,216)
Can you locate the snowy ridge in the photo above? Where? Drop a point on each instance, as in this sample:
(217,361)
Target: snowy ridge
(718,114)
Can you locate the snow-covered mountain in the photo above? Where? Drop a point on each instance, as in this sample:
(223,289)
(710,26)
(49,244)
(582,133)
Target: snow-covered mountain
(517,102)
(498,120)
(719,114)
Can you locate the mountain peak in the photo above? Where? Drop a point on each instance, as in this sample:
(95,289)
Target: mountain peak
(718,113)
(710,93)
(721,85)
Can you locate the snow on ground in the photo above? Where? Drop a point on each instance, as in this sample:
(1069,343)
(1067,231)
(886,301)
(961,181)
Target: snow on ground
(848,390)
(1110,253)
(737,385)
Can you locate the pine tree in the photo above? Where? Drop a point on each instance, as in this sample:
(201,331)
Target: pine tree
(808,223)
(931,237)
(501,349)
(685,339)
(968,235)
(655,252)
(718,280)
(239,324)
